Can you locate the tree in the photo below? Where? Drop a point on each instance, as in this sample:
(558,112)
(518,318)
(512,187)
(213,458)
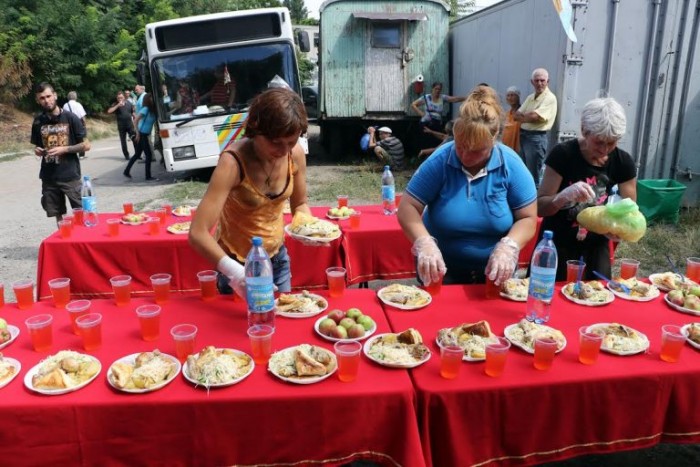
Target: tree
(297,10)
(461,7)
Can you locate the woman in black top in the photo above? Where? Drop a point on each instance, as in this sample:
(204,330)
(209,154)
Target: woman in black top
(580,173)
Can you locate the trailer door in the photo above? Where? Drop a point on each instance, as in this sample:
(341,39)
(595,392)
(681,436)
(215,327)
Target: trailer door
(384,73)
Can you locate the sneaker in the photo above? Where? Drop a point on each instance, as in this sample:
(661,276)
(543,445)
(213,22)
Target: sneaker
(126,174)
(152,179)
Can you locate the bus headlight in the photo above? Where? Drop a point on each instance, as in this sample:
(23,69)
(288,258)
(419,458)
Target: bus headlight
(184,152)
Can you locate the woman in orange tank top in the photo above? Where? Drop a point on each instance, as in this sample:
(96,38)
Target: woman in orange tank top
(248,189)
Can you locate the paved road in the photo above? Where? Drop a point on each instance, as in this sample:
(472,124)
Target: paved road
(25,222)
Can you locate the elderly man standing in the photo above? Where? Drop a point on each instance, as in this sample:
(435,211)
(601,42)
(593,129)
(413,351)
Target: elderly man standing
(536,117)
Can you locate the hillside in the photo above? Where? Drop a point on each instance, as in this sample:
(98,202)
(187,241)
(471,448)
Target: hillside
(15,129)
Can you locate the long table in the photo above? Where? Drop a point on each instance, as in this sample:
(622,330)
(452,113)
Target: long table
(529,416)
(261,420)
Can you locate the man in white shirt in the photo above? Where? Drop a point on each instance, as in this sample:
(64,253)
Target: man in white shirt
(75,107)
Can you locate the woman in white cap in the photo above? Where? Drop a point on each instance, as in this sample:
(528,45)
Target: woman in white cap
(388,148)
(480,198)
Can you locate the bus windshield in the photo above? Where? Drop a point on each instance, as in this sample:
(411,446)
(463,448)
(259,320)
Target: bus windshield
(221,81)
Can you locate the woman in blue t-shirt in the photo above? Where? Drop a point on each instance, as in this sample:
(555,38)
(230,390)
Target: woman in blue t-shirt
(471,206)
(145,120)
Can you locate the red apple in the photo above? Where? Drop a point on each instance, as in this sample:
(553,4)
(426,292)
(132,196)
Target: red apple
(347,323)
(677,297)
(356,331)
(336,315)
(326,326)
(340,332)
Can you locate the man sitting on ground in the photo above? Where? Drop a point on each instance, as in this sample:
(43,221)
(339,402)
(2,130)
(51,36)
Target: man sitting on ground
(388,148)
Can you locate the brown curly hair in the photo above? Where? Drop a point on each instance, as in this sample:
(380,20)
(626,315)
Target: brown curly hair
(275,113)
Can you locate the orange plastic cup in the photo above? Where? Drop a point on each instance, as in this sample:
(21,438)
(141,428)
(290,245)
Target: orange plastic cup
(207,284)
(24,292)
(496,356)
(355,220)
(261,342)
(184,336)
(336,281)
(153,225)
(492,290)
(2,294)
(65,228)
(76,309)
(90,328)
(348,355)
(168,209)
(545,349)
(450,360)
(60,289)
(149,321)
(128,208)
(40,332)
(113,227)
(78,216)
(161,287)
(589,346)
(121,285)
(672,342)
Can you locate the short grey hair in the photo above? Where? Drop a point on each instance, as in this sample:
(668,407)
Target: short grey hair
(540,71)
(72,96)
(513,89)
(604,117)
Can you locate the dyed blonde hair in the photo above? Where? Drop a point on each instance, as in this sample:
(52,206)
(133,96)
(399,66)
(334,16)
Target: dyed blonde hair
(479,118)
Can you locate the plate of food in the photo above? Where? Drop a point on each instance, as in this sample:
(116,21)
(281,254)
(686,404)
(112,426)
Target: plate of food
(9,369)
(523,334)
(471,337)
(8,333)
(215,367)
(339,325)
(182,211)
(64,372)
(300,305)
(592,293)
(143,372)
(340,214)
(515,289)
(692,333)
(303,364)
(310,228)
(134,218)
(404,297)
(402,350)
(683,301)
(619,339)
(638,291)
(668,281)
(179,228)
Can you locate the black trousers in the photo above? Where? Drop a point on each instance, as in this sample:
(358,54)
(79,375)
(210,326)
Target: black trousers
(126,129)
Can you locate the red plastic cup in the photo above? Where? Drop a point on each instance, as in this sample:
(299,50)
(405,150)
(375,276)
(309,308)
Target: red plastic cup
(628,268)
(161,287)
(128,207)
(2,294)
(450,360)
(90,328)
(153,225)
(184,336)
(76,309)
(121,285)
(672,342)
(162,214)
(261,342)
(434,287)
(342,201)
(40,332)
(207,284)
(168,209)
(149,321)
(355,220)
(572,270)
(24,293)
(692,269)
(589,346)
(336,281)
(348,355)
(77,216)
(496,355)
(545,349)
(113,227)
(492,290)
(60,289)
(65,228)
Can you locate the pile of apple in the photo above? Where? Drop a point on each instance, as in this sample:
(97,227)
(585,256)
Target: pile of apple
(689,298)
(341,212)
(351,324)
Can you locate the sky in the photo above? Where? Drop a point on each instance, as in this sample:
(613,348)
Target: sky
(314,5)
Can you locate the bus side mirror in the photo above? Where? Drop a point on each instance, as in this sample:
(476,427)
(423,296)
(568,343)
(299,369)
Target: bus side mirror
(303,41)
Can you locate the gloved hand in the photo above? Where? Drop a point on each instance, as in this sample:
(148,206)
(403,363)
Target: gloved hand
(431,266)
(503,261)
(579,192)
(235,273)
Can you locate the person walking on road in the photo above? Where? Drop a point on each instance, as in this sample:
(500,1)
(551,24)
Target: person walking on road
(77,108)
(145,120)
(58,137)
(124,111)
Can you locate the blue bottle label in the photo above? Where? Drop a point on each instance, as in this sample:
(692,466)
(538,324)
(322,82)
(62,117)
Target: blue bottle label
(542,283)
(89,203)
(260,294)
(388,193)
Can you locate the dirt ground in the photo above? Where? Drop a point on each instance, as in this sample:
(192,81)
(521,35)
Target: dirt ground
(25,225)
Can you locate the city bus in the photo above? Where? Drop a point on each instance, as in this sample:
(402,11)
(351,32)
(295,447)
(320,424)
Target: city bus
(204,72)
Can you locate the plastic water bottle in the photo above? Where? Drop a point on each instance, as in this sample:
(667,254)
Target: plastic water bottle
(89,203)
(614,197)
(388,192)
(543,272)
(259,284)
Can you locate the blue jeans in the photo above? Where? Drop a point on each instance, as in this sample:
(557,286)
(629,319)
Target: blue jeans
(533,149)
(281,271)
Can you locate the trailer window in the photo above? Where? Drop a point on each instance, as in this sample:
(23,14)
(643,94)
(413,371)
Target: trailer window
(386,35)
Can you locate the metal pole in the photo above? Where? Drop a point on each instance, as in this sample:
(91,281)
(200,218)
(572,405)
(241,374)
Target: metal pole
(611,46)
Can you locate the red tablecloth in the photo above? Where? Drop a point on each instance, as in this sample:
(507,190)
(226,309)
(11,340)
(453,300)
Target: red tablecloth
(90,257)
(529,416)
(261,420)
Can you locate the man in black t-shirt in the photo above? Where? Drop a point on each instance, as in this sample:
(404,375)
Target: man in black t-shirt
(58,137)
(124,110)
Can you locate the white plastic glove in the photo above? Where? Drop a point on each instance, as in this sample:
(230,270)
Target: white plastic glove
(579,192)
(235,273)
(503,261)
(431,266)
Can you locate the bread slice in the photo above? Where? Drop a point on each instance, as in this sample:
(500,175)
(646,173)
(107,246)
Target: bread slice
(306,365)
(410,336)
(121,374)
(480,328)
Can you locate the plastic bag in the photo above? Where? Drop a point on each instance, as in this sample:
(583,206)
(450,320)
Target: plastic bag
(621,219)
(278,82)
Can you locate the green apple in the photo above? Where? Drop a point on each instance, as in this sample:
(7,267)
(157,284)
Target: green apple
(356,331)
(677,297)
(334,212)
(347,323)
(353,313)
(3,324)
(695,290)
(340,332)
(366,322)
(326,326)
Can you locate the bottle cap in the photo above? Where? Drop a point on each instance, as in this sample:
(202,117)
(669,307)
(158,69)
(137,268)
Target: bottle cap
(386,167)
(257,241)
(548,234)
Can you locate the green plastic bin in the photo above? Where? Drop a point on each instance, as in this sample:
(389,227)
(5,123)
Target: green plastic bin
(660,200)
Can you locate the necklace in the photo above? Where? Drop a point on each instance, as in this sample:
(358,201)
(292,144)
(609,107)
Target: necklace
(268,175)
